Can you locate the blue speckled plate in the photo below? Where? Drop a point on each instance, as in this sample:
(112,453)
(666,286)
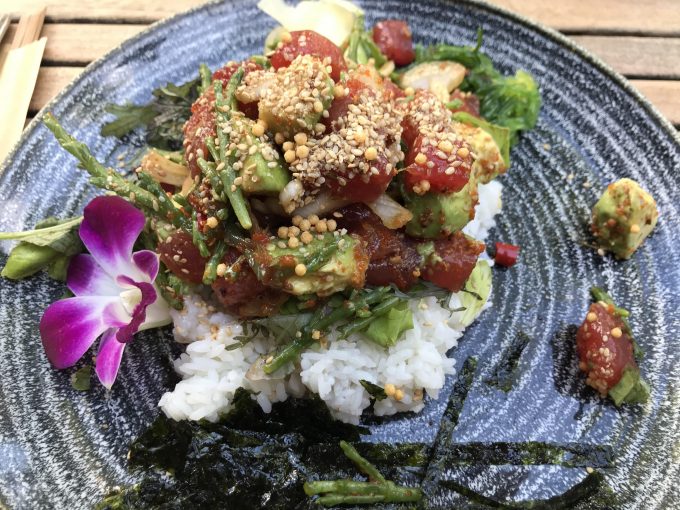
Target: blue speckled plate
(60,448)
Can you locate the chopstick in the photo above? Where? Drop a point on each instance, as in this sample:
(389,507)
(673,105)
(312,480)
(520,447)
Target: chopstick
(18,76)
(29,28)
(4,25)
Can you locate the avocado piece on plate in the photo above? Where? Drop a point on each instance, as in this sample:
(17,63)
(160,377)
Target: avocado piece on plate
(263,170)
(329,263)
(292,99)
(623,217)
(437,215)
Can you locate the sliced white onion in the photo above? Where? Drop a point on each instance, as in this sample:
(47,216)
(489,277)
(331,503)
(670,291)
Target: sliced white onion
(332,18)
(322,204)
(392,213)
(290,195)
(441,78)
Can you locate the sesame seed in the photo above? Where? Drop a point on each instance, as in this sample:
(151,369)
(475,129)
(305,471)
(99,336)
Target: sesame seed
(300,270)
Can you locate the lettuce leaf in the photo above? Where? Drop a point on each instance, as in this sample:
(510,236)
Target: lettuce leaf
(387,329)
(512,102)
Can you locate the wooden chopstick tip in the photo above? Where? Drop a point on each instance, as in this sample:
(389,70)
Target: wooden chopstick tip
(29,28)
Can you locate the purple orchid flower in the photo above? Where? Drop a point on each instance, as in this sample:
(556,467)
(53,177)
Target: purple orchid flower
(114,292)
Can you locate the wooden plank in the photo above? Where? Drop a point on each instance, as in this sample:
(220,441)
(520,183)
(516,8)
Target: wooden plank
(651,57)
(136,11)
(623,16)
(66,41)
(660,17)
(664,95)
(50,81)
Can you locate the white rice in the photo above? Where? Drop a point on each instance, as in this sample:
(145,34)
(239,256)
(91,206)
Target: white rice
(418,362)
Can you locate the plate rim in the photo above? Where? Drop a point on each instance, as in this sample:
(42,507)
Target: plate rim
(616,77)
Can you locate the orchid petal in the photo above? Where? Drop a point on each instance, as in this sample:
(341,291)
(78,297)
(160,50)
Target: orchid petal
(109,230)
(86,278)
(69,327)
(157,314)
(147,262)
(108,358)
(148,297)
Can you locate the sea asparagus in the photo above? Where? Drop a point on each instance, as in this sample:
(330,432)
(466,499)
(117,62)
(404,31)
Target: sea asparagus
(348,492)
(109,179)
(359,300)
(224,105)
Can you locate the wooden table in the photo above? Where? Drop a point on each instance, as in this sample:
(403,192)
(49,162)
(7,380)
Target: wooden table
(638,38)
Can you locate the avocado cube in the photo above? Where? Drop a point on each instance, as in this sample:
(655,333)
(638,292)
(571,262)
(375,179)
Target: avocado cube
(297,97)
(623,217)
(331,263)
(437,215)
(261,178)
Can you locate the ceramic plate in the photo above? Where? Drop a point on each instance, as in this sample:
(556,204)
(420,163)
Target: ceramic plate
(60,448)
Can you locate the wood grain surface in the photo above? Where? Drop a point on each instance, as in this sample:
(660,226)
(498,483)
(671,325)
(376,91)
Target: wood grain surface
(638,38)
